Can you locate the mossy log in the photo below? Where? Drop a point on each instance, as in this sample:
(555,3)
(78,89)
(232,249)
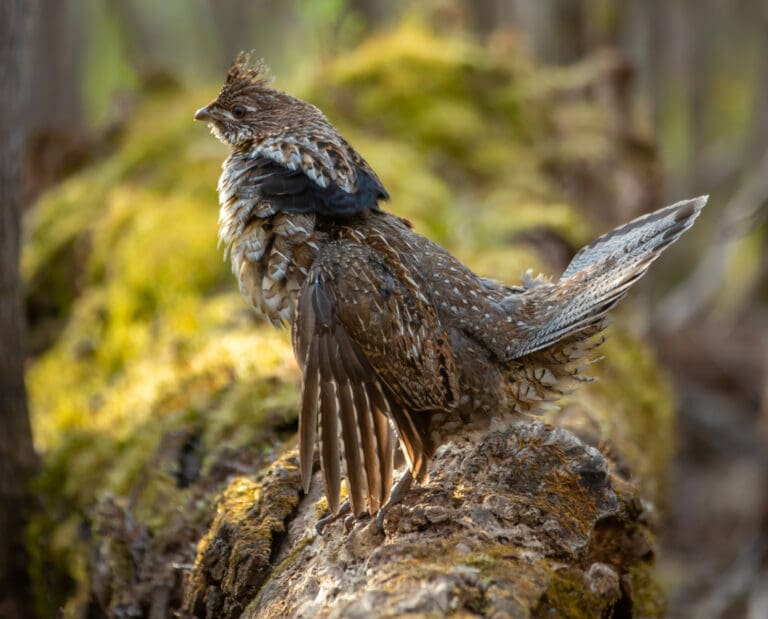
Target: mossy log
(514,522)
(166,414)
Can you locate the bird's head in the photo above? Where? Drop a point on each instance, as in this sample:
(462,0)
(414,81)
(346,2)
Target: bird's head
(246,108)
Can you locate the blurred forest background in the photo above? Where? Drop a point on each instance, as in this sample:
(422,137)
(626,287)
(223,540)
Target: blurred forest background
(696,75)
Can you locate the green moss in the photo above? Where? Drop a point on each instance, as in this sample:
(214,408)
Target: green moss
(648,600)
(235,554)
(150,346)
(569,596)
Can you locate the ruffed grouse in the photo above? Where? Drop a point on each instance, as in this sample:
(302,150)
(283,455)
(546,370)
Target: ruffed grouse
(398,341)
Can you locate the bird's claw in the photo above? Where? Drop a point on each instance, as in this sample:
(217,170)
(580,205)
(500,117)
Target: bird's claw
(398,492)
(330,518)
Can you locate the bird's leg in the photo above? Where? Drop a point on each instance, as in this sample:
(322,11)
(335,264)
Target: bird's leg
(326,520)
(398,492)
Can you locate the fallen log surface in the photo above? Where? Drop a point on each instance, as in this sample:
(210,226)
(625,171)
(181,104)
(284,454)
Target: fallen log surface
(514,522)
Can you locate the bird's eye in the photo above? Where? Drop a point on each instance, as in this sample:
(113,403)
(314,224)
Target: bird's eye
(238,111)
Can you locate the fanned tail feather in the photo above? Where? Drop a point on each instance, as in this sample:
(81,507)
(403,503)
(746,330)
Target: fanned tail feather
(597,278)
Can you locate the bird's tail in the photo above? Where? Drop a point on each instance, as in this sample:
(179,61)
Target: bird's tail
(599,276)
(556,322)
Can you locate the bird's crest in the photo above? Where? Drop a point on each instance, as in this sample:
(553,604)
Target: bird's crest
(244,75)
(247,70)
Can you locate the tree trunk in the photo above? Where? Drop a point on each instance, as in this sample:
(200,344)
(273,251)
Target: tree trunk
(557,29)
(55,58)
(16,451)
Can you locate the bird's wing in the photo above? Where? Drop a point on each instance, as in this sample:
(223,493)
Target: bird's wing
(371,349)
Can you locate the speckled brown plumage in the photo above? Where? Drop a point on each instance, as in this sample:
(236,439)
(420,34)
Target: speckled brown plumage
(398,341)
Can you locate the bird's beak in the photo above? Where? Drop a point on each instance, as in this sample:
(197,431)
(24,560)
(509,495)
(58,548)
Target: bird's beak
(203,114)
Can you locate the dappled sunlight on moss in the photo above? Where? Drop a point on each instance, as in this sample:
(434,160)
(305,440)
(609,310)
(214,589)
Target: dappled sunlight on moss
(561,218)
(151,344)
(412,43)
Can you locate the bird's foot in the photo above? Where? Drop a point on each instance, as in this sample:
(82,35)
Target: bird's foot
(398,492)
(326,520)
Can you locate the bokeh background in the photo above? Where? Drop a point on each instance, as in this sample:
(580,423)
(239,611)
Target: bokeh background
(573,115)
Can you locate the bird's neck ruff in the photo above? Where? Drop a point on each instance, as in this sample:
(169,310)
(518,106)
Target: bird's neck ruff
(270,250)
(236,203)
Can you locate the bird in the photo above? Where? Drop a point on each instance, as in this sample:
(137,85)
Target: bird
(400,345)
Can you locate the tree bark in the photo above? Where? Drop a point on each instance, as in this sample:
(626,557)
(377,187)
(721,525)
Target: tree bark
(55,50)
(557,29)
(16,451)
